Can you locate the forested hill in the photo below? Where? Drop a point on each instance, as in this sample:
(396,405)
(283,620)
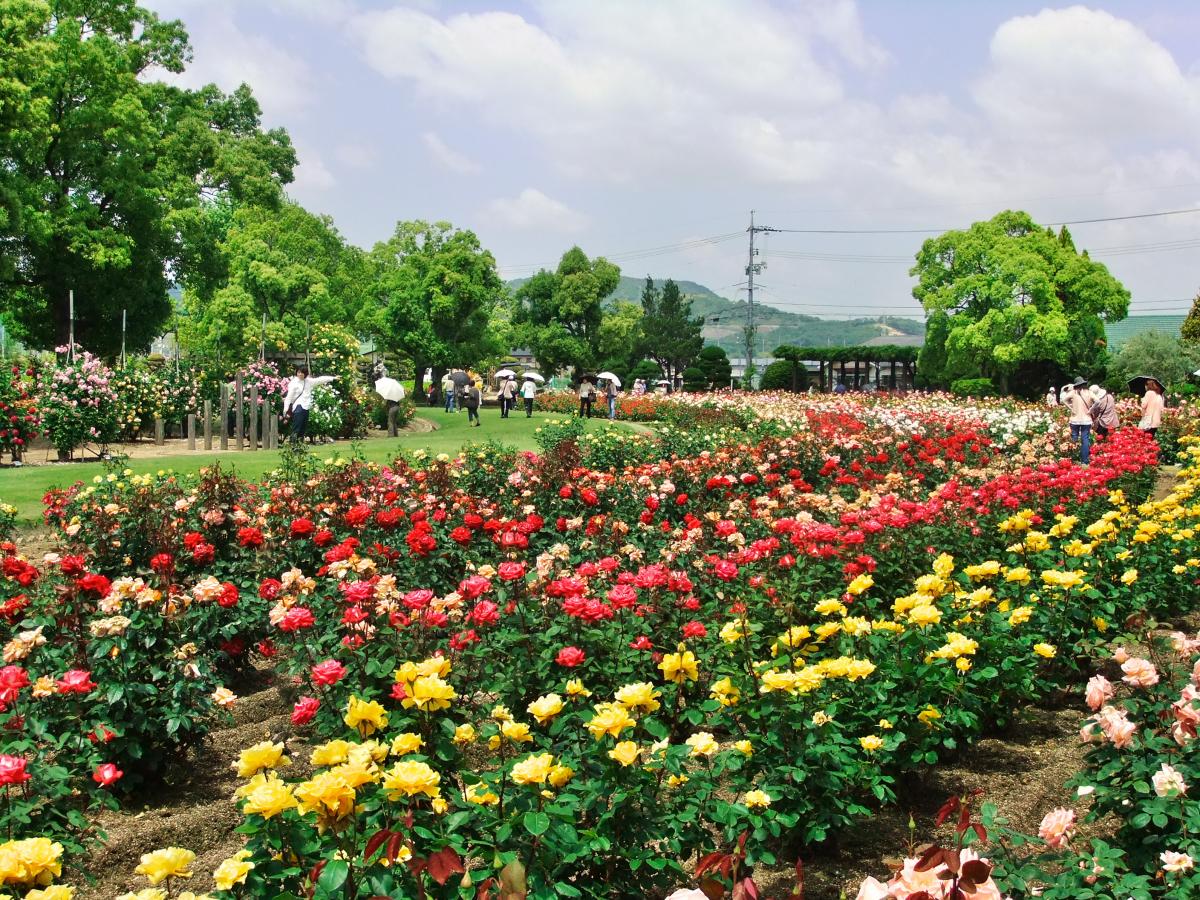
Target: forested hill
(725,319)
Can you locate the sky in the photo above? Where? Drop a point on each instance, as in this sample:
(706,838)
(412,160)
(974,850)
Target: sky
(647,130)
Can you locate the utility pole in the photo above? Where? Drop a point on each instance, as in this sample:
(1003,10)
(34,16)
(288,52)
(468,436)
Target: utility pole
(752,269)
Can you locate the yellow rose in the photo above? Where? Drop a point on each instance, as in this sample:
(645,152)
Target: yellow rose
(575,688)
(560,775)
(410,778)
(406,743)
(265,755)
(534,769)
(679,667)
(626,753)
(871,742)
(267,796)
(744,747)
(481,795)
(724,692)
(367,716)
(545,708)
(170,862)
(702,744)
(757,799)
(609,719)
(233,871)
(640,695)
(330,754)
(1046,651)
(328,795)
(517,732)
(464,734)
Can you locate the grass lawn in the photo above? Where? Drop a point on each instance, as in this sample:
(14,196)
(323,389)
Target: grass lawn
(24,487)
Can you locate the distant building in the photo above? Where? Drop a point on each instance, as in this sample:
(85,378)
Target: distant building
(1118,333)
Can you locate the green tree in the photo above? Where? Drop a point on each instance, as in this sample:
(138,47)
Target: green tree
(1013,302)
(1153,353)
(558,314)
(672,335)
(432,295)
(1191,325)
(102,169)
(715,364)
(286,264)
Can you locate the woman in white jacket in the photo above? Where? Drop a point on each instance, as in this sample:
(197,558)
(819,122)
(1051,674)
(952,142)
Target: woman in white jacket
(299,400)
(1078,402)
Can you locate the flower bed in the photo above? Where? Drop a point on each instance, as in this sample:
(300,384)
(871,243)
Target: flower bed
(571,679)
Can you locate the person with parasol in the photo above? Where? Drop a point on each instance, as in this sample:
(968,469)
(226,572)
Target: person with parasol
(529,391)
(1151,390)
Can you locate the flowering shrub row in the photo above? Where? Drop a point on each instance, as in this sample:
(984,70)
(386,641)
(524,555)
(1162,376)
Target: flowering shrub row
(572,680)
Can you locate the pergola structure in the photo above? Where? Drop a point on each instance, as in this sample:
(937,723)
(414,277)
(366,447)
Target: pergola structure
(852,365)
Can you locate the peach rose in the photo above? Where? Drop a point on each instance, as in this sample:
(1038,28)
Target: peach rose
(1139,672)
(1099,692)
(1057,827)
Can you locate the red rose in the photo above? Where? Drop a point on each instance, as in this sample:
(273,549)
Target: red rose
(418,599)
(296,618)
(76,681)
(329,672)
(12,770)
(301,528)
(162,563)
(570,657)
(511,571)
(250,537)
(203,554)
(12,679)
(461,535)
(305,710)
(694,630)
(107,774)
(229,595)
(725,570)
(589,497)
(72,566)
(94,583)
(269,589)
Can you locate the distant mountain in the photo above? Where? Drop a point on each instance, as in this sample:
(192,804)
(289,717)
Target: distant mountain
(725,319)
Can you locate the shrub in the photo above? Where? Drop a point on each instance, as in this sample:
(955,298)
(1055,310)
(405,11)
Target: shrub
(973,387)
(778,377)
(694,379)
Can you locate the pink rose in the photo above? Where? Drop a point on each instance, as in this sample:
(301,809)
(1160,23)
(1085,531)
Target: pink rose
(1120,654)
(1168,782)
(872,889)
(1099,692)
(909,881)
(329,672)
(1057,827)
(304,710)
(1139,672)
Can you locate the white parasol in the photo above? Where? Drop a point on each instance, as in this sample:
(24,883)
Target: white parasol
(609,376)
(505,373)
(534,376)
(389,389)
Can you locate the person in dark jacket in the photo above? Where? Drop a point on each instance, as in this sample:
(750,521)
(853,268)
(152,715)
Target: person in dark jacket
(471,400)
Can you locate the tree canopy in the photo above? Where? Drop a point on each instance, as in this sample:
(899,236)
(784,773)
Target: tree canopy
(558,314)
(287,264)
(1191,325)
(714,362)
(671,334)
(432,291)
(1013,302)
(102,169)
(1153,353)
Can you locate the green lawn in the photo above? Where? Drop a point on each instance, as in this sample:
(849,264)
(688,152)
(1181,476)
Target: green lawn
(24,487)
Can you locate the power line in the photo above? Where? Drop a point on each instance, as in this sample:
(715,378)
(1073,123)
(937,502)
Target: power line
(1153,215)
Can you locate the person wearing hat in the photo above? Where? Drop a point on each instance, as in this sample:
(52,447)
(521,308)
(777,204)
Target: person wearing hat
(1104,411)
(1078,403)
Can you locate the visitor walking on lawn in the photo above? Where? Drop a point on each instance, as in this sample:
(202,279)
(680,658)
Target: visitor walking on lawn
(1077,400)
(508,394)
(471,400)
(449,389)
(587,393)
(299,400)
(528,392)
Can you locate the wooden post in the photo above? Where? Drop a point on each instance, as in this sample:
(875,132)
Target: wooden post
(158,431)
(224,423)
(238,424)
(253,423)
(274,430)
(191,427)
(266,424)
(207,424)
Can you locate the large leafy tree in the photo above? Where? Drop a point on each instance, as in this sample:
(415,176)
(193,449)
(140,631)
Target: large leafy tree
(287,265)
(559,314)
(102,169)
(672,335)
(432,296)
(1013,302)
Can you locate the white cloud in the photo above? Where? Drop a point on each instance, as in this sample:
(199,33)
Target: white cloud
(312,175)
(356,156)
(1086,74)
(283,82)
(622,89)
(448,157)
(533,209)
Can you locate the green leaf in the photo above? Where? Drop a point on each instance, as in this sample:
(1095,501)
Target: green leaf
(536,823)
(333,876)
